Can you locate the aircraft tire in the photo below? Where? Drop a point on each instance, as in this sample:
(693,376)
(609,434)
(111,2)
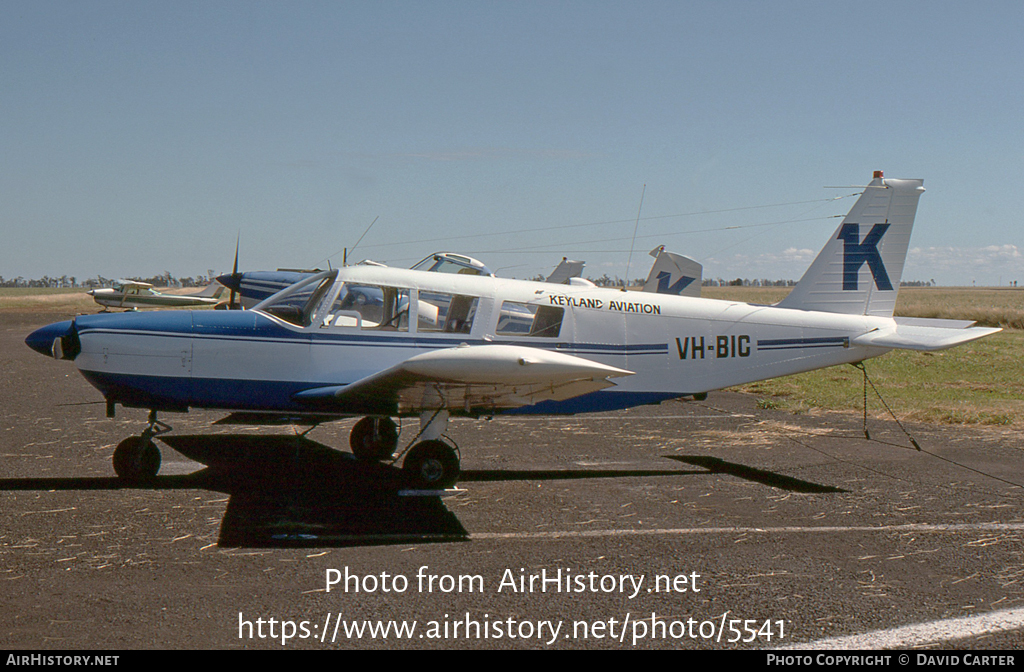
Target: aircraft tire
(374,439)
(432,465)
(136,460)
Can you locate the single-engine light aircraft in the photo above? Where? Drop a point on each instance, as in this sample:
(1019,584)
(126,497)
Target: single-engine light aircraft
(132,295)
(439,345)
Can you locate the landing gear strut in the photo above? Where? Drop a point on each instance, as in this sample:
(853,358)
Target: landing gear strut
(432,463)
(137,459)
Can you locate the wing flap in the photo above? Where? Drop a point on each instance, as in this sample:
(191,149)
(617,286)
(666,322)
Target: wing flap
(473,379)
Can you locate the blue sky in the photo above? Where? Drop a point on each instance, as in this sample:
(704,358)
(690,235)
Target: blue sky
(142,137)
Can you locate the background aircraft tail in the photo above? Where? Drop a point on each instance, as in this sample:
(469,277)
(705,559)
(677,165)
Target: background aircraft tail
(212,290)
(858,272)
(674,274)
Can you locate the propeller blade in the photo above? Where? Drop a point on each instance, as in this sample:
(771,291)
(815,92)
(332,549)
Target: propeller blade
(234,275)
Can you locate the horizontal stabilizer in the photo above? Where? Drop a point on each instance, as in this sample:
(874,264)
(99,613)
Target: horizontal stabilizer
(923,334)
(474,379)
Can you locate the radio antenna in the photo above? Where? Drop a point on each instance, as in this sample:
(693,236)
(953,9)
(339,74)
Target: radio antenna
(345,249)
(633,242)
(365,232)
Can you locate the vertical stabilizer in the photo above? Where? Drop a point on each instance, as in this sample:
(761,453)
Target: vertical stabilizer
(674,274)
(858,272)
(566,271)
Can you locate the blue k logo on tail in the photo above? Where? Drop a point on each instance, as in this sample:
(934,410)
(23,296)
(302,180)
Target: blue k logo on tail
(856,253)
(677,287)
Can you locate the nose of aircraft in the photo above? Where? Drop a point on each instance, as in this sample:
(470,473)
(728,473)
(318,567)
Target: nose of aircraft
(230,280)
(41,340)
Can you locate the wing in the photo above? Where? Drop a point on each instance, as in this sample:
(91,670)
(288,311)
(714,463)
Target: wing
(477,379)
(134,283)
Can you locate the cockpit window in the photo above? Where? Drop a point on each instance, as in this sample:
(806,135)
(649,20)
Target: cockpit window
(523,319)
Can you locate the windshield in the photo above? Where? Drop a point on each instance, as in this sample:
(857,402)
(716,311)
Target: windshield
(297,303)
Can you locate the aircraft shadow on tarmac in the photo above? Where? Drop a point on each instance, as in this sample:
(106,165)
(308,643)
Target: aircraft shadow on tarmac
(292,491)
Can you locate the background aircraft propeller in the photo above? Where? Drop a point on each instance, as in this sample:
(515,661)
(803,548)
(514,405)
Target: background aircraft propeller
(232,282)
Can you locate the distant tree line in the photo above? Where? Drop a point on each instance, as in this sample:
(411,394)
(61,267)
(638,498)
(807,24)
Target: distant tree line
(744,282)
(603,281)
(165,279)
(616,281)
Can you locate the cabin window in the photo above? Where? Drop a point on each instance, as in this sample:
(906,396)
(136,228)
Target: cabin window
(370,307)
(523,319)
(448,313)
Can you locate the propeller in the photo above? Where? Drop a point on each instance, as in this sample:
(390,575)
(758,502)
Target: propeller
(232,281)
(234,276)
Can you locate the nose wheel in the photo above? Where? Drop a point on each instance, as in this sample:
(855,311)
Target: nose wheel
(137,459)
(374,439)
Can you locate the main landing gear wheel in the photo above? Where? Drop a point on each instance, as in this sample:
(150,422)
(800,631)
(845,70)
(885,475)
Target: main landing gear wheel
(432,465)
(374,439)
(136,459)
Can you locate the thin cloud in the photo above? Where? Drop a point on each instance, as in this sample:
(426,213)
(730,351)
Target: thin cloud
(489,153)
(789,264)
(968,259)
(990,264)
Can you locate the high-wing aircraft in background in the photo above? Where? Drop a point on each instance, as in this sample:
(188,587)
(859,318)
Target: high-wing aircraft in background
(440,345)
(255,286)
(132,295)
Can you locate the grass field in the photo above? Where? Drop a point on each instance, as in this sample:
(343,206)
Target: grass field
(34,299)
(981,383)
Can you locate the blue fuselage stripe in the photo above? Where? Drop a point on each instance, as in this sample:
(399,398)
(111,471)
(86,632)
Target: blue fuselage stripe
(794,343)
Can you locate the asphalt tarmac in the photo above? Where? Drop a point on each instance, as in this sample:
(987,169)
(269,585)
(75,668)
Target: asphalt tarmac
(687,525)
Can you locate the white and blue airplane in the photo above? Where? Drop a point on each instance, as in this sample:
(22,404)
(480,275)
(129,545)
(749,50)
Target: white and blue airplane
(441,345)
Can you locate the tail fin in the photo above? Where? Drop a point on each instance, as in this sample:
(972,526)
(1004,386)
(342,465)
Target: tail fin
(674,274)
(858,272)
(211,290)
(565,271)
